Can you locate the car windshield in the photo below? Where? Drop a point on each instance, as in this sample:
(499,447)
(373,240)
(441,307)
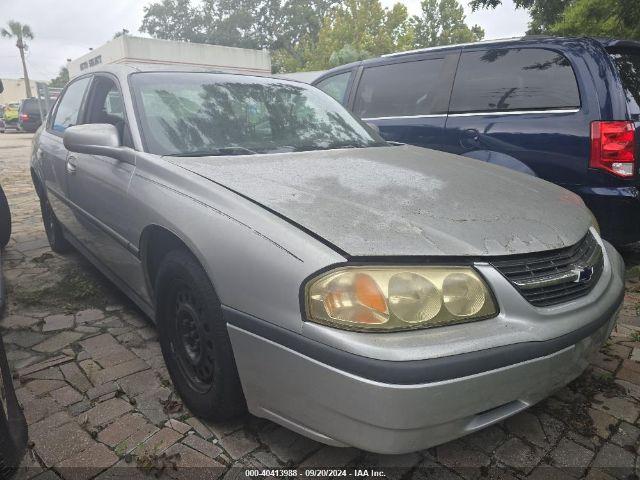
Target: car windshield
(200,114)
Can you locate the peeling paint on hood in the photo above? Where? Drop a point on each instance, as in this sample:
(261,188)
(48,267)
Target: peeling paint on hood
(405,200)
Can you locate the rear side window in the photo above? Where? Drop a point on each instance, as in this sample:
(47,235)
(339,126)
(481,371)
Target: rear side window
(628,63)
(69,107)
(398,89)
(336,86)
(514,79)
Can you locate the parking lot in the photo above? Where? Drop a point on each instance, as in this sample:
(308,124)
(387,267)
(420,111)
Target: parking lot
(98,400)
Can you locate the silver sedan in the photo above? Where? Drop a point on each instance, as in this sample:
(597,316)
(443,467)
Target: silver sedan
(358,292)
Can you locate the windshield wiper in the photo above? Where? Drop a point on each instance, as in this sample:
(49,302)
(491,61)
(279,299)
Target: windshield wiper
(214,152)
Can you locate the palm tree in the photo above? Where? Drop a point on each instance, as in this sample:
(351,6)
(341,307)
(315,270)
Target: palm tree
(20,32)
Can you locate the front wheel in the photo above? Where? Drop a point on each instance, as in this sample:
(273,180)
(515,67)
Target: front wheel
(52,228)
(194,339)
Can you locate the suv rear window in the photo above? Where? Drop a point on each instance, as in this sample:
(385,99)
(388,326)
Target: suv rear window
(398,89)
(30,105)
(628,63)
(514,79)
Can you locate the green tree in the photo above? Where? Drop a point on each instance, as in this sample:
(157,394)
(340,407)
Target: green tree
(605,18)
(442,22)
(62,79)
(285,27)
(544,13)
(174,20)
(20,32)
(357,29)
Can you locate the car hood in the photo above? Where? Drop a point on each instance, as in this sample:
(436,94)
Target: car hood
(404,200)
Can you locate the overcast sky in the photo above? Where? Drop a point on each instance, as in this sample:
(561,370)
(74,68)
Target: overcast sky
(68,28)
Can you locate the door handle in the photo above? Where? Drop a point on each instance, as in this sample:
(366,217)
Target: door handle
(71,166)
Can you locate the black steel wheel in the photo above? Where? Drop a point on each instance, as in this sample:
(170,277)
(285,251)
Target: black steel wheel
(194,339)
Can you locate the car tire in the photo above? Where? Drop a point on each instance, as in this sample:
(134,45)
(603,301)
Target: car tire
(5,220)
(194,339)
(53,228)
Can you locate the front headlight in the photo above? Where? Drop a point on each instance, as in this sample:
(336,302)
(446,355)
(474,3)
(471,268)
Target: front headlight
(398,298)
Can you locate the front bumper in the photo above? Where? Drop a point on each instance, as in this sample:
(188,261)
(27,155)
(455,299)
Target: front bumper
(388,406)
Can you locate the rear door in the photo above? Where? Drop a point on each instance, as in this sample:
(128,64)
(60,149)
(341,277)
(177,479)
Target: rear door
(520,107)
(407,97)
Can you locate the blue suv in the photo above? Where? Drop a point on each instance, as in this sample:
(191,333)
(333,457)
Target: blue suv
(563,109)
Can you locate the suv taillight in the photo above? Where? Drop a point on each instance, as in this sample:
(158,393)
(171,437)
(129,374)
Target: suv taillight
(24,117)
(613,147)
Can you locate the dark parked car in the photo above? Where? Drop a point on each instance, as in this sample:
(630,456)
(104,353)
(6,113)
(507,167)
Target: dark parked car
(29,116)
(563,109)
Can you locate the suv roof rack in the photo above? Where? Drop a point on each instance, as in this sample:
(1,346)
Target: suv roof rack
(440,47)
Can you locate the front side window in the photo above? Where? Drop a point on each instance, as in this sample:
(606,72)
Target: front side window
(215,114)
(336,86)
(105,105)
(514,79)
(69,108)
(398,89)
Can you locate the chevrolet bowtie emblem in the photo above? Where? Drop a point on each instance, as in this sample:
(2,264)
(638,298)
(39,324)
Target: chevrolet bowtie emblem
(582,274)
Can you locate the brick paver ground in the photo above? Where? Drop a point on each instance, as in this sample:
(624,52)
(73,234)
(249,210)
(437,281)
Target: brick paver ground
(99,402)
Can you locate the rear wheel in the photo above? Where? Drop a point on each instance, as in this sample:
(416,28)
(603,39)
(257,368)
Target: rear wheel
(52,227)
(5,220)
(194,339)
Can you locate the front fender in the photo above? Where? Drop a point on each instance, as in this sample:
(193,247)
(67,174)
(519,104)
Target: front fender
(501,159)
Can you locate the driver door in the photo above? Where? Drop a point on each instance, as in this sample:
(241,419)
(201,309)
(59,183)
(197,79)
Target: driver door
(98,187)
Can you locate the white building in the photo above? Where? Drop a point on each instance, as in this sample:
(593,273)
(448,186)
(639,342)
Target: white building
(14,90)
(149,52)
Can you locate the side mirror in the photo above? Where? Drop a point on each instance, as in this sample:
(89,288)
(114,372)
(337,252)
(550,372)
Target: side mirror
(97,139)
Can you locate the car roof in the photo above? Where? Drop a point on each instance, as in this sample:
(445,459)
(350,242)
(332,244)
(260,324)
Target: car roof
(524,40)
(123,70)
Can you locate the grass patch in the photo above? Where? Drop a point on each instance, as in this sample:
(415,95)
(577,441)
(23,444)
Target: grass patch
(75,289)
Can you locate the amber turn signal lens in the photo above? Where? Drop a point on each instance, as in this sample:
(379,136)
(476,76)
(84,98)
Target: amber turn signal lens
(368,293)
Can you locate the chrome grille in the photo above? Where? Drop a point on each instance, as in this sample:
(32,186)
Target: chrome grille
(556,276)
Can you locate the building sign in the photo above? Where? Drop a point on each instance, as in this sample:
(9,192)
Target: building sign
(97,60)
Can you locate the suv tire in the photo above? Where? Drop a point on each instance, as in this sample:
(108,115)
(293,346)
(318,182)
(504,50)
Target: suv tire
(194,339)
